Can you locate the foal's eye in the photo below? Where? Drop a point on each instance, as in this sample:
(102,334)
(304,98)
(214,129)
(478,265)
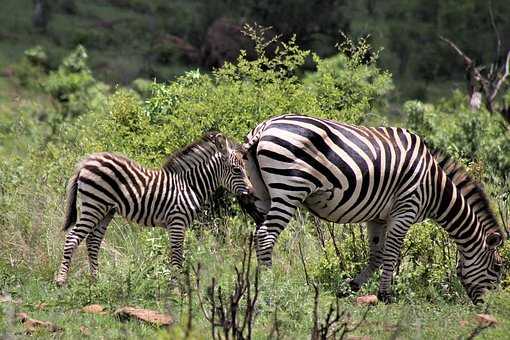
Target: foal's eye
(236,171)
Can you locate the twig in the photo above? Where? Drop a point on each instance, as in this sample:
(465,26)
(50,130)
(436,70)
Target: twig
(304,264)
(502,78)
(199,295)
(190,316)
(467,61)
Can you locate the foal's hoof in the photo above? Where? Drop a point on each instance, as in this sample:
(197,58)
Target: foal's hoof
(385,297)
(60,282)
(355,286)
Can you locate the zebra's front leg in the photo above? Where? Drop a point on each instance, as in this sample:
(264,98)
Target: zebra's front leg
(376,234)
(276,220)
(94,240)
(397,230)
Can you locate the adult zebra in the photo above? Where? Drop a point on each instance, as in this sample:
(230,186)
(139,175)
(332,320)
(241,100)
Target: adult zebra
(170,197)
(386,177)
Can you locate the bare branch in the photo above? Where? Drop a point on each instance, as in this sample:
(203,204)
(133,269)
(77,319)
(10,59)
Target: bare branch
(199,295)
(502,78)
(303,262)
(467,61)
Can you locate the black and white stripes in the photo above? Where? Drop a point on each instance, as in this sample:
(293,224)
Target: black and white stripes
(386,177)
(170,197)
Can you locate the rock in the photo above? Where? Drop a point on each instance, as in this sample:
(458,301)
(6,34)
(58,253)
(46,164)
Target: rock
(367,300)
(145,315)
(31,325)
(463,323)
(486,320)
(41,305)
(94,309)
(358,337)
(85,330)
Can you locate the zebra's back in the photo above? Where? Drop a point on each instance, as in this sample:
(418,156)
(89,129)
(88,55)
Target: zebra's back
(119,183)
(347,173)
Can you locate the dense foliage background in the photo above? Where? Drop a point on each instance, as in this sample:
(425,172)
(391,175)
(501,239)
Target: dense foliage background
(146,78)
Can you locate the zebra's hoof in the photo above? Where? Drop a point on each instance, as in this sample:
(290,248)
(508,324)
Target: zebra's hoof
(355,286)
(60,282)
(385,297)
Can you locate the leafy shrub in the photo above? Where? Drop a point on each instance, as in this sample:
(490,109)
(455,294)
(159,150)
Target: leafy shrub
(452,126)
(73,85)
(236,97)
(350,82)
(31,70)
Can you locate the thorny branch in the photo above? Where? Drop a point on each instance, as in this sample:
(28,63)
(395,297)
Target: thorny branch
(226,312)
(336,321)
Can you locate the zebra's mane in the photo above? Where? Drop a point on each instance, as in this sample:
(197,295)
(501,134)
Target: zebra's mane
(192,154)
(471,189)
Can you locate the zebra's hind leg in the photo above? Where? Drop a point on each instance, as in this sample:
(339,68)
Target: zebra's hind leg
(376,231)
(90,217)
(73,239)
(276,219)
(397,229)
(176,229)
(94,240)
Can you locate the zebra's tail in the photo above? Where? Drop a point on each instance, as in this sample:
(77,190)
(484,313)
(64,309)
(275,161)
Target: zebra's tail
(71,212)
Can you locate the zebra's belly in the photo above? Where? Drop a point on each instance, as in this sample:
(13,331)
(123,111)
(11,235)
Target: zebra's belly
(326,205)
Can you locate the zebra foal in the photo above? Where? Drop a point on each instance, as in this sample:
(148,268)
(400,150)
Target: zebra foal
(109,184)
(386,177)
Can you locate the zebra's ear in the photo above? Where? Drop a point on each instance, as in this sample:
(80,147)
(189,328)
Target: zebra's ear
(494,240)
(220,141)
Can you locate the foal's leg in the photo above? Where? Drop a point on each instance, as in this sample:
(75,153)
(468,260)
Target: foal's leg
(176,229)
(94,240)
(90,217)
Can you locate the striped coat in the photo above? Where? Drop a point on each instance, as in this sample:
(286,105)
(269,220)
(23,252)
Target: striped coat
(105,184)
(386,177)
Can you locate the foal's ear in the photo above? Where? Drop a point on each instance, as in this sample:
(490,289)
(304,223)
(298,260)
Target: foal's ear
(219,140)
(494,240)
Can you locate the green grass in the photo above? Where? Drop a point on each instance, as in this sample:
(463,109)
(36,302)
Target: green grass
(117,54)
(134,272)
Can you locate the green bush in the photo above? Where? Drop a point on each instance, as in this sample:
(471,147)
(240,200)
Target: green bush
(74,86)
(471,135)
(236,97)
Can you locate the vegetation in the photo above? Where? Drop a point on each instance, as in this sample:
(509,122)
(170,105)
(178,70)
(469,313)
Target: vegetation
(54,113)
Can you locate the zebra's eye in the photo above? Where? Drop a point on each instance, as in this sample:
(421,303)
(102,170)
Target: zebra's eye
(236,170)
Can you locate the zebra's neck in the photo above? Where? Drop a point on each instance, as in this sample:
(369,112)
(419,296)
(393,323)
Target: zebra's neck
(454,213)
(203,179)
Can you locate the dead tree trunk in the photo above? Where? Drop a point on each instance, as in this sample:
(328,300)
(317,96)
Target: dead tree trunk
(484,80)
(41,15)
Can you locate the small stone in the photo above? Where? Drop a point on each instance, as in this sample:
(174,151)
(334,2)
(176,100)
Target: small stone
(367,300)
(486,320)
(22,316)
(84,330)
(145,315)
(41,305)
(31,325)
(94,309)
(463,323)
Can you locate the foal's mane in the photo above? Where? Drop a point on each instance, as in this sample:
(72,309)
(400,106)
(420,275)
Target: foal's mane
(183,159)
(471,189)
